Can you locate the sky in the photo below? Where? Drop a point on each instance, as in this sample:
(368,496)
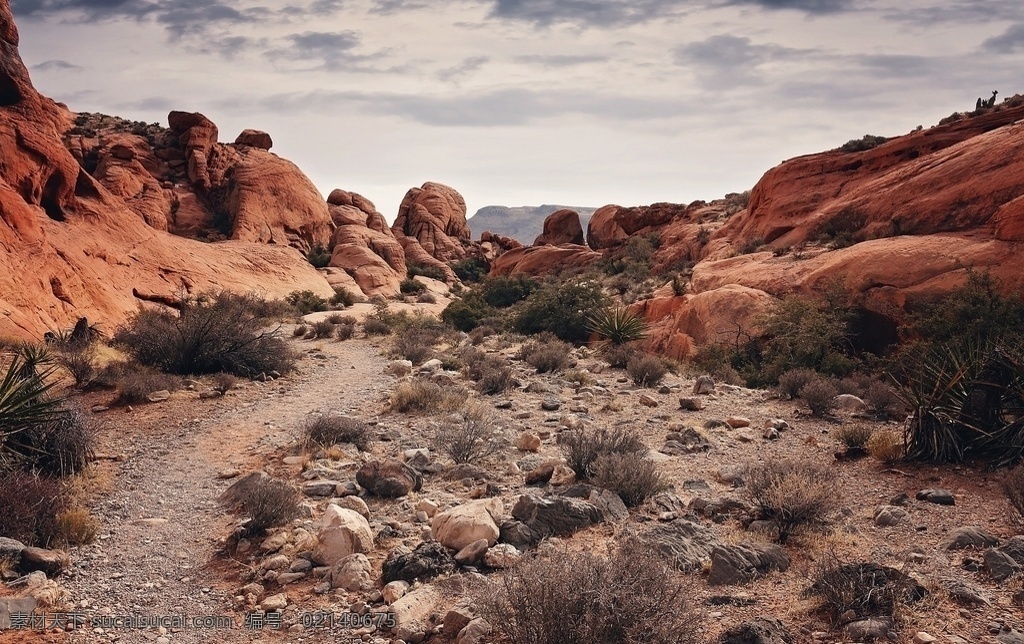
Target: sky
(526,102)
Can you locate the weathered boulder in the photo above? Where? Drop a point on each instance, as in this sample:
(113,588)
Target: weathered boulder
(434,215)
(391,478)
(254,139)
(352,572)
(760,630)
(689,545)
(561,227)
(733,564)
(542,260)
(342,532)
(612,225)
(462,525)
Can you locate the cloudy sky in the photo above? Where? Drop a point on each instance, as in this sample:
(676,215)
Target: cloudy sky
(523,102)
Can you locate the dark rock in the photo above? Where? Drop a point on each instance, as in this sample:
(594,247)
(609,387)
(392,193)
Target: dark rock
(391,478)
(557,516)
(970,537)
(10,549)
(540,474)
(873,628)
(1000,565)
(705,385)
(889,515)
(762,630)
(242,488)
(686,441)
(687,544)
(466,471)
(51,562)
(720,508)
(965,594)
(1010,636)
(609,503)
(733,564)
(516,533)
(429,559)
(937,496)
(550,404)
(690,404)
(472,553)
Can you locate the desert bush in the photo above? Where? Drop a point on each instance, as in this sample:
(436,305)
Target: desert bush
(468,436)
(421,395)
(861,589)
(618,325)
(222,333)
(502,292)
(26,402)
(409,285)
(479,334)
(630,596)
(471,270)
(323,429)
(433,272)
(632,476)
(76,527)
(883,399)
(318,256)
(134,382)
(1013,487)
(618,355)
(646,370)
(561,308)
(545,353)
(300,331)
(61,446)
(344,331)
(752,245)
(886,446)
(579,378)
(78,358)
(716,361)
(31,504)
(224,382)
(340,318)
(866,142)
(426,297)
(342,297)
(854,436)
(820,396)
(791,493)
(375,326)
(306,302)
(492,374)
(792,381)
(415,344)
(581,447)
(977,311)
(468,311)
(268,502)
(323,329)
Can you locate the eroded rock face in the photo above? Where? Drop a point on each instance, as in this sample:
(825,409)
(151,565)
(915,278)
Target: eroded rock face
(541,260)
(434,215)
(612,225)
(561,227)
(363,246)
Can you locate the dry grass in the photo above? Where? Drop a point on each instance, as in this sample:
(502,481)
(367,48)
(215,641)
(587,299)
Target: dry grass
(324,429)
(582,447)
(791,493)
(854,436)
(31,505)
(546,353)
(646,370)
(469,436)
(632,476)
(424,396)
(76,527)
(886,446)
(1013,487)
(266,503)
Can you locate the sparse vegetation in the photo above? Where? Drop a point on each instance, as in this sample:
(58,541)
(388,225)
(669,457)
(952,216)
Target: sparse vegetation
(861,589)
(820,396)
(855,436)
(323,329)
(344,331)
(582,447)
(1013,487)
(561,308)
(342,297)
(324,429)
(266,503)
(409,285)
(306,302)
(492,374)
(791,493)
(421,395)
(468,436)
(632,476)
(76,527)
(433,272)
(646,370)
(866,142)
(416,344)
(618,325)
(546,353)
(792,381)
(618,355)
(629,596)
(886,446)
(31,504)
(319,256)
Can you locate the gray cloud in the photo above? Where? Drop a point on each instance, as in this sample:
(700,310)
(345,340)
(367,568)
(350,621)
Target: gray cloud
(560,60)
(56,66)
(331,50)
(610,13)
(959,11)
(723,60)
(1008,42)
(467,66)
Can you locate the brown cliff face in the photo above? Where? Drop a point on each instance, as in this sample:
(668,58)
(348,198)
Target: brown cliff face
(435,216)
(84,216)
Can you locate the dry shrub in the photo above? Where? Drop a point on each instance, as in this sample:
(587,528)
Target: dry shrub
(344,331)
(495,376)
(618,355)
(76,527)
(266,503)
(323,429)
(854,436)
(582,447)
(469,436)
(323,329)
(791,493)
(630,596)
(374,326)
(861,589)
(62,446)
(300,331)
(579,378)
(415,344)
(820,396)
(134,382)
(646,370)
(1013,487)
(883,399)
(421,395)
(78,358)
(546,353)
(31,504)
(632,476)
(224,382)
(886,446)
(339,318)
(792,381)
(426,297)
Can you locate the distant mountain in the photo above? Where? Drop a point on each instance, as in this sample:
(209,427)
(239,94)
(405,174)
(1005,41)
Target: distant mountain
(523,223)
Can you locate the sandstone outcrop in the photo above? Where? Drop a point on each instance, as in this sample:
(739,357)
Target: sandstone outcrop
(363,246)
(74,243)
(561,227)
(542,260)
(612,225)
(435,216)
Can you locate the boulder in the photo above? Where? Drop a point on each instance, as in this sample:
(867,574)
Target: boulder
(51,562)
(537,261)
(1008,560)
(689,545)
(435,216)
(462,525)
(413,611)
(472,553)
(561,227)
(254,139)
(537,518)
(888,515)
(937,496)
(501,556)
(428,559)
(342,532)
(760,630)
(733,564)
(970,537)
(391,478)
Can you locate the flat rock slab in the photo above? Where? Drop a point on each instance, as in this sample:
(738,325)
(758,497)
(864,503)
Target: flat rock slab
(743,562)
(970,537)
(14,605)
(688,544)
(937,496)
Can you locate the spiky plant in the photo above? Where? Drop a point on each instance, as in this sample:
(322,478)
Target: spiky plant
(967,400)
(25,403)
(618,325)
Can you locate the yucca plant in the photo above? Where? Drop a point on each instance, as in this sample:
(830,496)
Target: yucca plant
(25,403)
(618,325)
(967,400)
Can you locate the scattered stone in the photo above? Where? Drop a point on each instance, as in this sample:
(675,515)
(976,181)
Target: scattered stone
(733,564)
(731,475)
(647,401)
(158,396)
(10,605)
(1010,636)
(771,434)
(501,556)
(761,630)
(428,559)
(286,578)
(472,553)
(354,503)
(389,479)
(430,366)
(1007,560)
(413,611)
(399,368)
(394,590)
(536,518)
(970,537)
(528,442)
(275,603)
(320,488)
(427,506)
(462,525)
(850,403)
(550,404)
(923,637)
(937,496)
(10,549)
(457,619)
(542,473)
(274,542)
(99,409)
(705,385)
(966,594)
(503,404)
(690,404)
(664,390)
(352,573)
(342,532)
(737,422)
(776,423)
(873,628)
(889,515)
(475,632)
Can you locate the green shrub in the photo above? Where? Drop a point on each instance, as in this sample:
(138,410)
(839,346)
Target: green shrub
(410,285)
(820,396)
(26,402)
(582,447)
(502,292)
(977,311)
(646,370)
(222,333)
(471,270)
(324,429)
(866,142)
(791,493)
(546,353)
(632,476)
(618,325)
(433,272)
(561,308)
(467,312)
(792,381)
(342,297)
(306,302)
(319,256)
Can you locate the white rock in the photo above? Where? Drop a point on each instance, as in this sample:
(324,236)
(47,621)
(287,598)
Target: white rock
(428,506)
(275,602)
(394,591)
(355,503)
(462,525)
(850,403)
(342,532)
(502,555)
(352,573)
(399,368)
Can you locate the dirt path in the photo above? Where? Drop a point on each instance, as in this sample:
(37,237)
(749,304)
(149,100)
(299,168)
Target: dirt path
(162,522)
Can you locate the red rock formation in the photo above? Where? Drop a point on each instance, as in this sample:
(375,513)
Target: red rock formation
(435,216)
(561,227)
(493,246)
(255,139)
(542,260)
(72,245)
(364,248)
(612,225)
